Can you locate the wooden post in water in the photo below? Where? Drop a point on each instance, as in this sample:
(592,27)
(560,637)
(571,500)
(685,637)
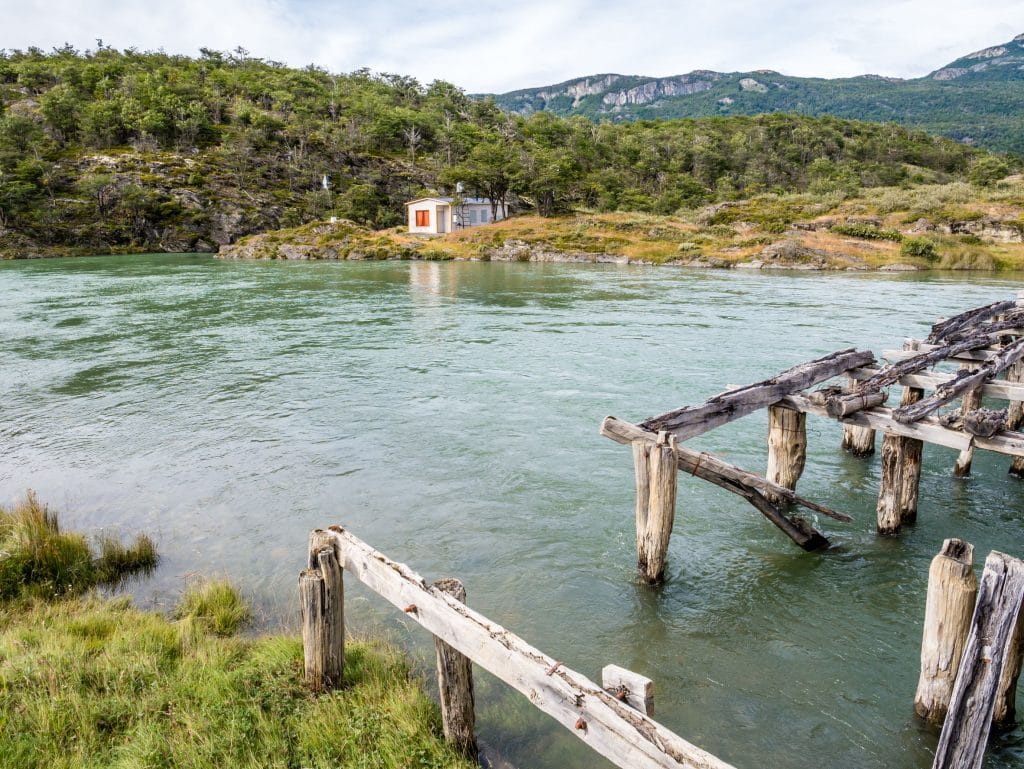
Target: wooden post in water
(787,448)
(970,401)
(859,441)
(656,476)
(455,684)
(900,476)
(1015,415)
(635,690)
(993,630)
(322,599)
(952,588)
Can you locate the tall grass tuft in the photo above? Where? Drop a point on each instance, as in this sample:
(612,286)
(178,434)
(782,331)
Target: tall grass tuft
(38,559)
(214,605)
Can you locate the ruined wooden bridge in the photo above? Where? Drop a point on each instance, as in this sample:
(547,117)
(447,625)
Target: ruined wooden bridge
(974,355)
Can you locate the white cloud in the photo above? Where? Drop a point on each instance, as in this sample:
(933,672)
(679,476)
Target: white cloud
(494,47)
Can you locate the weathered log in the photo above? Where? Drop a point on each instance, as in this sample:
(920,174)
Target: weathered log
(964,381)
(985,422)
(713,469)
(656,465)
(952,587)
(322,597)
(635,690)
(455,684)
(859,441)
(957,324)
(993,628)
(1007,389)
(787,449)
(610,727)
(969,402)
(689,421)
(844,405)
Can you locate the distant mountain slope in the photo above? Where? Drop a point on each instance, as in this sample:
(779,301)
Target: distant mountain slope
(977,99)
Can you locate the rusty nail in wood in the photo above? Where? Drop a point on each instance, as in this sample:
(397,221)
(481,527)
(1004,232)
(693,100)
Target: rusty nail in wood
(551,670)
(581,724)
(411,609)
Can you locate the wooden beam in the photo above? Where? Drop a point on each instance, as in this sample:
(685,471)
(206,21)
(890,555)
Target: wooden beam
(957,324)
(703,464)
(928,430)
(747,485)
(610,727)
(972,704)
(962,382)
(999,388)
(689,421)
(635,690)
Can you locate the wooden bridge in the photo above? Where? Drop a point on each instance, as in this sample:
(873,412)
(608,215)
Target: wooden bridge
(974,355)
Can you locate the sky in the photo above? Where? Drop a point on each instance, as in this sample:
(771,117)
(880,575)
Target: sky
(494,47)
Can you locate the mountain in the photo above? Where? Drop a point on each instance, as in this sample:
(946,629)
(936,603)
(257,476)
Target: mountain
(977,99)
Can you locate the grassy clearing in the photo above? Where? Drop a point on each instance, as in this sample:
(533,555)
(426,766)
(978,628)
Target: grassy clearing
(38,559)
(86,682)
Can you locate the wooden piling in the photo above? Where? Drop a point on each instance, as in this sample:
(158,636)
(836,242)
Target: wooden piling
(993,629)
(455,684)
(970,401)
(635,690)
(859,441)
(656,476)
(900,475)
(787,448)
(1015,415)
(952,588)
(322,601)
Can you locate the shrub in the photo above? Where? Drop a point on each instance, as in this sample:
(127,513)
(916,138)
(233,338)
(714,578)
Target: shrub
(920,247)
(866,231)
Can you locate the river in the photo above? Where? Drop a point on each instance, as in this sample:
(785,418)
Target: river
(448,415)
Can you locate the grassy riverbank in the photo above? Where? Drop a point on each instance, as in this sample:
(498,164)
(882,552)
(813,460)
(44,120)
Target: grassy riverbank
(88,681)
(939,226)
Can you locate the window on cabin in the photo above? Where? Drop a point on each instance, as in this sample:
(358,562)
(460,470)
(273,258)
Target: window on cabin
(483,216)
(423,218)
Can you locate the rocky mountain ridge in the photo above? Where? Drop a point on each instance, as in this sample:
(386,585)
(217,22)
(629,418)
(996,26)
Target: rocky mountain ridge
(975,99)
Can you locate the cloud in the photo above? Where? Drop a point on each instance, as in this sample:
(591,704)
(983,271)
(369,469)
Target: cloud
(494,47)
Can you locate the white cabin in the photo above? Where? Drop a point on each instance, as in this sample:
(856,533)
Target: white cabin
(436,216)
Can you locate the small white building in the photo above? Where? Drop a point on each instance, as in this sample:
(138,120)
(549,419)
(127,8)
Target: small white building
(436,216)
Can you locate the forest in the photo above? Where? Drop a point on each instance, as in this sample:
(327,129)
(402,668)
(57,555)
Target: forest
(108,150)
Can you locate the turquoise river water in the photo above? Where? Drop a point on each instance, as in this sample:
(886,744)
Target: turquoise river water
(448,414)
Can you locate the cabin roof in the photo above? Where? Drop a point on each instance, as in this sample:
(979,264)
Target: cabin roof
(466,201)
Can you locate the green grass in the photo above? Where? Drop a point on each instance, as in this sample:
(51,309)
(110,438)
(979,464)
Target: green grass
(38,559)
(86,682)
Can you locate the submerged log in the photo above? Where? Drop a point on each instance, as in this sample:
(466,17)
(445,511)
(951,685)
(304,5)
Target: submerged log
(747,485)
(657,469)
(689,421)
(787,448)
(993,630)
(964,381)
(952,587)
(455,684)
